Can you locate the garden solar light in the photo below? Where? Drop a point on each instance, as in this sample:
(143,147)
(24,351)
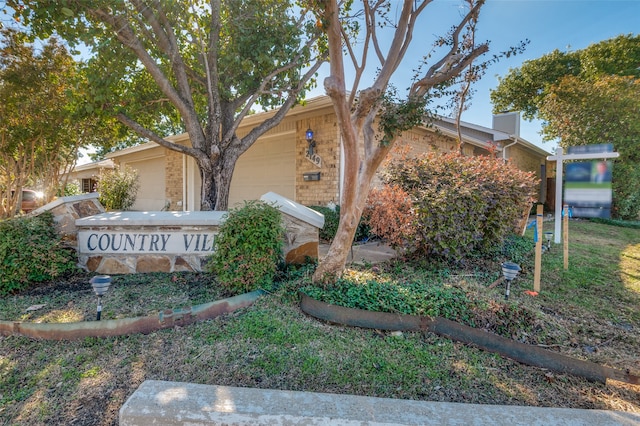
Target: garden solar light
(510,271)
(100,284)
(548,236)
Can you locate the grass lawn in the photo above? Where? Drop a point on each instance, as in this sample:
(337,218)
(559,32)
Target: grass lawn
(590,311)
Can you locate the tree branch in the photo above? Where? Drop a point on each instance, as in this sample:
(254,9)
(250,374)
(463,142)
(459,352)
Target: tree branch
(181,97)
(152,136)
(163,31)
(452,63)
(261,90)
(282,111)
(421,87)
(370,20)
(335,84)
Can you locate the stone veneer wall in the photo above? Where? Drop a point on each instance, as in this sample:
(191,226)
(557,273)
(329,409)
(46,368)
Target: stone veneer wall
(103,248)
(82,222)
(66,210)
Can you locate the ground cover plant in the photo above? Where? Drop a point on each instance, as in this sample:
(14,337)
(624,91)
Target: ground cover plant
(591,311)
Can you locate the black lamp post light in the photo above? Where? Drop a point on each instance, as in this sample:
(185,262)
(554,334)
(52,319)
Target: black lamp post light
(510,271)
(100,284)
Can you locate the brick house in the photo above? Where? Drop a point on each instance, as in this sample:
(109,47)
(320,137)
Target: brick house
(279,160)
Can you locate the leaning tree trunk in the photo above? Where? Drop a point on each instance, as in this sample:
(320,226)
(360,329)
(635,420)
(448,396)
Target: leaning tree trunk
(354,200)
(360,165)
(331,267)
(356,119)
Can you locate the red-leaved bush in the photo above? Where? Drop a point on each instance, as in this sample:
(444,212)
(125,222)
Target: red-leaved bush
(389,214)
(462,205)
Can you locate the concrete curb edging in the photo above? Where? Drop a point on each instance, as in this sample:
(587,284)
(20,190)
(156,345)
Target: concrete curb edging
(521,352)
(118,327)
(175,403)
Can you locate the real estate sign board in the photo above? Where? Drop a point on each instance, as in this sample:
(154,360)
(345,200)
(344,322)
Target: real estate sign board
(587,187)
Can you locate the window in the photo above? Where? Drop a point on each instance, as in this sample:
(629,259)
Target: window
(28,196)
(89,185)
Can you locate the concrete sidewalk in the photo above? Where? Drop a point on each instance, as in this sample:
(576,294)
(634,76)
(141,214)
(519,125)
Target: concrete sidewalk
(174,403)
(370,252)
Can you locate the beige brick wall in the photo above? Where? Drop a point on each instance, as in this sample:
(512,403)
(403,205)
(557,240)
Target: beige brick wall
(421,141)
(327,137)
(524,159)
(173,179)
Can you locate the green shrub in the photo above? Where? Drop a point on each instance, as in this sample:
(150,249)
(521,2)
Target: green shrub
(31,252)
(626,191)
(332,220)
(71,188)
(462,205)
(248,247)
(118,188)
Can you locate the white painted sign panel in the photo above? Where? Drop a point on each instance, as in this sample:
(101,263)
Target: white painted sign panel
(140,242)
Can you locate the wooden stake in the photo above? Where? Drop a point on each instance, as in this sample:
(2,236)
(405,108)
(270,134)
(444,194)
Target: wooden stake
(538,267)
(496,282)
(565,235)
(524,221)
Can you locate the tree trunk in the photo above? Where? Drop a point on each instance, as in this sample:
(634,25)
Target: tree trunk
(208,191)
(332,266)
(216,182)
(351,207)
(363,153)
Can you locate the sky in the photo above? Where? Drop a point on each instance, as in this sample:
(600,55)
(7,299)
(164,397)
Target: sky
(548,25)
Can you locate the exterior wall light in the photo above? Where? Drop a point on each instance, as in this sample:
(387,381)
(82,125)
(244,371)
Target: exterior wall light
(312,143)
(100,284)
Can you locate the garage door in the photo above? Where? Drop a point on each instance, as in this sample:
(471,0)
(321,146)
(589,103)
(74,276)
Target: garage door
(151,193)
(269,165)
